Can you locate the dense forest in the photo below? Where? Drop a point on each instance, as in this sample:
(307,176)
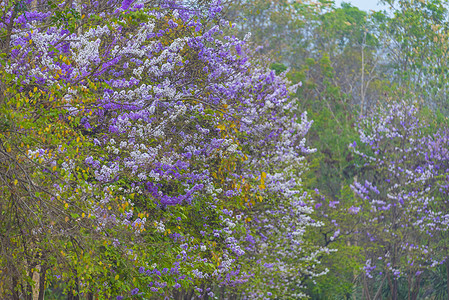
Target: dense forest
(207,149)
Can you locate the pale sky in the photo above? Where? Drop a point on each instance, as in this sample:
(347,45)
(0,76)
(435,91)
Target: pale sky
(366,5)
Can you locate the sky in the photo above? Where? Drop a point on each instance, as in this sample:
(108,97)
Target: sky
(366,5)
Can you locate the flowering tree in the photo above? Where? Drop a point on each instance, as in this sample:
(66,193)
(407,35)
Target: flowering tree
(136,141)
(397,202)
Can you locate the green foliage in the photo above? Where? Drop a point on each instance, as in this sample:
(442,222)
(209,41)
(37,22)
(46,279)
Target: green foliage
(344,268)
(278,68)
(416,32)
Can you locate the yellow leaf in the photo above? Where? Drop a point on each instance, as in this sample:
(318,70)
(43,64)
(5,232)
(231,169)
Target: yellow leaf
(116,277)
(66,205)
(15,182)
(262,180)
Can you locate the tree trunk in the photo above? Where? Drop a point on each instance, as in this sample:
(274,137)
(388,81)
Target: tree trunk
(42,283)
(36,282)
(394,292)
(189,295)
(416,288)
(379,290)
(390,283)
(365,288)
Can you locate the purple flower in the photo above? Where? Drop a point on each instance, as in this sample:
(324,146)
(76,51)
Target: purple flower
(126,4)
(354,210)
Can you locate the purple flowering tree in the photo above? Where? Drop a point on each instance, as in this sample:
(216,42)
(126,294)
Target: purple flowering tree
(151,157)
(397,198)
